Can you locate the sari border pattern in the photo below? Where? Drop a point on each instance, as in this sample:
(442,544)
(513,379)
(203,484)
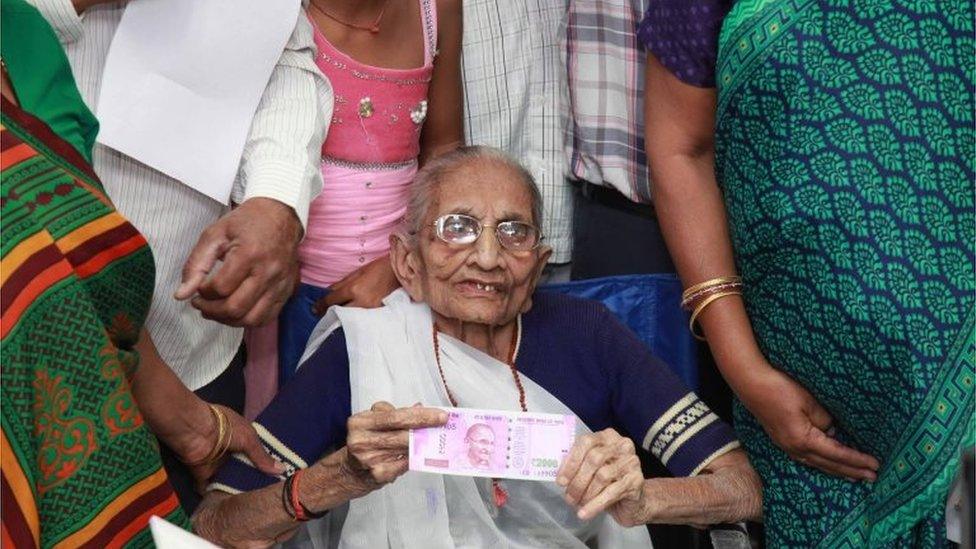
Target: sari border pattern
(751,28)
(924,456)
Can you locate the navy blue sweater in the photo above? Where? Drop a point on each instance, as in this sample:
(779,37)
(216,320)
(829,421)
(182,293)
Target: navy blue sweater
(574,348)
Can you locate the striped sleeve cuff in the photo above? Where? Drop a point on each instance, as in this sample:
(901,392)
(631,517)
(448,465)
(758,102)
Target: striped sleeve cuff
(239,475)
(286,182)
(688,436)
(62,17)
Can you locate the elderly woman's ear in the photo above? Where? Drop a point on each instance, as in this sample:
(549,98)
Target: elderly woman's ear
(544,253)
(406,265)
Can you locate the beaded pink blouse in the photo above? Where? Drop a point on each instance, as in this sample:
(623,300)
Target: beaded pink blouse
(369,158)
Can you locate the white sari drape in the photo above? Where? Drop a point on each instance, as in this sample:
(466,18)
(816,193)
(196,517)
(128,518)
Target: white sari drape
(391,358)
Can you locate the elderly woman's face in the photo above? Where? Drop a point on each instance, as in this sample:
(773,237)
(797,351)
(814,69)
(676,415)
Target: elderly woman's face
(480,282)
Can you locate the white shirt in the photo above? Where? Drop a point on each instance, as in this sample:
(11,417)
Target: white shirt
(280,161)
(514,84)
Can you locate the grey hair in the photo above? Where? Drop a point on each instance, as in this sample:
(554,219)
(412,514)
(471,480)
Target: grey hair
(427,180)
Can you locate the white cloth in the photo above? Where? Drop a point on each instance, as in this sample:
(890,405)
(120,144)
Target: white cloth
(166,535)
(391,358)
(514,83)
(280,161)
(954,511)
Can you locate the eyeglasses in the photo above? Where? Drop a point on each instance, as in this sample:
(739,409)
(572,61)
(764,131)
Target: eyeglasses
(464,230)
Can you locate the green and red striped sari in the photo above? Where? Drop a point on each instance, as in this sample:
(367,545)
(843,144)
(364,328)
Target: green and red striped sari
(79,466)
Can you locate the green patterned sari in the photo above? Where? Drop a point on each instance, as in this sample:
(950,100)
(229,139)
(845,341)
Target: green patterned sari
(845,153)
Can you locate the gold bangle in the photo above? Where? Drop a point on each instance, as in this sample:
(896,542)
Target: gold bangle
(223,438)
(701,307)
(691,301)
(227,442)
(215,451)
(710,282)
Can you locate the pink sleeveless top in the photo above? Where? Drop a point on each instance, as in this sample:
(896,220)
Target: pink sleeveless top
(369,158)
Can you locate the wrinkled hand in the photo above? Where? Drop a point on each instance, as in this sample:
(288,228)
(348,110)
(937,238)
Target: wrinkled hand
(364,287)
(244,439)
(257,242)
(602,473)
(377,442)
(799,425)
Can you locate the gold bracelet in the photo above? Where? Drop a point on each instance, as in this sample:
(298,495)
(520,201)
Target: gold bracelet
(221,444)
(701,307)
(710,282)
(689,303)
(227,442)
(223,432)
(216,451)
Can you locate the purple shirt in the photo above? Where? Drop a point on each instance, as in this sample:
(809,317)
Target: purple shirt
(683,36)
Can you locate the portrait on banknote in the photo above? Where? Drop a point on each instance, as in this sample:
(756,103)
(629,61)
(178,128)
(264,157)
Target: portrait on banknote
(494,443)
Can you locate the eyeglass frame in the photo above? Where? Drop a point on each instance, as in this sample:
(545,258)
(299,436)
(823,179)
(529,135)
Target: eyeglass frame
(437,225)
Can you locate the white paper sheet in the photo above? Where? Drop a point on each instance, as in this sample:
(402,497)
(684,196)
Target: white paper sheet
(167,535)
(182,81)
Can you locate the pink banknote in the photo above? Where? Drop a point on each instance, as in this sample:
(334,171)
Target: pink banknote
(492,443)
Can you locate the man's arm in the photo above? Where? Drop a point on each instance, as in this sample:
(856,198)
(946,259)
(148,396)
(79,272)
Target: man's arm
(277,180)
(282,154)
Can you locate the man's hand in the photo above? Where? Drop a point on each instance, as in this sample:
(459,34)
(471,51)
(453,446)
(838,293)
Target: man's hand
(256,243)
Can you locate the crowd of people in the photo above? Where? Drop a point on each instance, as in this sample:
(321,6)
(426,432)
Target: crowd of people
(413,172)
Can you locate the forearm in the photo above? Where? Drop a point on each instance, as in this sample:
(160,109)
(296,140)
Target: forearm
(691,213)
(730,494)
(693,222)
(257,518)
(248,519)
(169,407)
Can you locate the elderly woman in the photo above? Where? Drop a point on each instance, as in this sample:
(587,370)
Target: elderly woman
(466,330)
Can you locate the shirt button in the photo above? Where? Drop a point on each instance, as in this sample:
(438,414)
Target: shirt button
(362,259)
(362,218)
(369,184)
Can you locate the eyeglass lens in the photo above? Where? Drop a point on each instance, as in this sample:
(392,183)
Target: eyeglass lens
(464,229)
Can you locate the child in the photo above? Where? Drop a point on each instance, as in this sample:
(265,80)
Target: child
(394,66)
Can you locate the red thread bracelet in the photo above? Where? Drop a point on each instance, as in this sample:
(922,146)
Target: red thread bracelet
(295,503)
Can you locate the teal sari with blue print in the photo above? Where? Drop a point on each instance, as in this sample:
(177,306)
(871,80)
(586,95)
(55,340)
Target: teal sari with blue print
(845,153)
